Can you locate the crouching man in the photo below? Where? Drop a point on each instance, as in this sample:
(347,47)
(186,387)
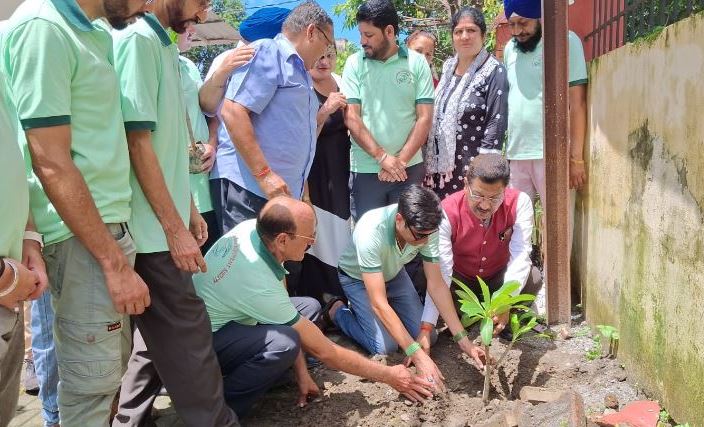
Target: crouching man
(258,331)
(485,231)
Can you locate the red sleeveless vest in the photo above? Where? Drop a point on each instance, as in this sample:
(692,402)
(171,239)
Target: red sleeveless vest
(477,250)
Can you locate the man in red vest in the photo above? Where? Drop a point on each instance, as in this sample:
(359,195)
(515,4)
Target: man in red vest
(485,231)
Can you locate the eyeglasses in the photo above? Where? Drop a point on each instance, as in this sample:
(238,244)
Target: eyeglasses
(419,236)
(309,238)
(492,200)
(326,37)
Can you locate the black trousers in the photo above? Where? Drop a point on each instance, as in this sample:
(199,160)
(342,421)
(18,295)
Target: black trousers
(173,346)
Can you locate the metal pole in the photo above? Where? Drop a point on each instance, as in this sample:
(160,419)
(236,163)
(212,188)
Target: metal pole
(556,106)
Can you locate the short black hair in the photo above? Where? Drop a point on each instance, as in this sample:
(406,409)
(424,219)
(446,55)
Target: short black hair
(379,13)
(420,208)
(306,13)
(469,12)
(275,220)
(489,168)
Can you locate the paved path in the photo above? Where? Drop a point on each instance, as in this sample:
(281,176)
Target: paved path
(29,413)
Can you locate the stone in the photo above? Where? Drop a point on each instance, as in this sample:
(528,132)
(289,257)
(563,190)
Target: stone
(353,420)
(641,413)
(611,401)
(407,402)
(567,411)
(621,376)
(539,394)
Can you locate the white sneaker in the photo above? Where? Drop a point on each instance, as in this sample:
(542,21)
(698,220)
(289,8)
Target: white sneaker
(31,384)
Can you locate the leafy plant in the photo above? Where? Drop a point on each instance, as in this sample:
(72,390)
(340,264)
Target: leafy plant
(498,303)
(611,334)
(595,351)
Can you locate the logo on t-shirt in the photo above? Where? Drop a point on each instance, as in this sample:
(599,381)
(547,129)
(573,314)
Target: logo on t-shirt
(404,78)
(224,253)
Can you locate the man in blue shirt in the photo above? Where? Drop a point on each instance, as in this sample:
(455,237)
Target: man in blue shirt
(269,112)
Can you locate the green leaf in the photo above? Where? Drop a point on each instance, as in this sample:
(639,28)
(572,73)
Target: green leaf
(487,330)
(515,323)
(485,293)
(466,298)
(468,291)
(507,288)
(468,321)
(471,309)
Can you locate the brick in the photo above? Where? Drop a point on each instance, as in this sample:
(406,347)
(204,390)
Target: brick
(539,394)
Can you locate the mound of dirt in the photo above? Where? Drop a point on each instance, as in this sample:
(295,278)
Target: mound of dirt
(351,401)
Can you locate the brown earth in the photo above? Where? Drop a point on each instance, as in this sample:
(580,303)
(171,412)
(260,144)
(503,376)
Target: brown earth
(350,401)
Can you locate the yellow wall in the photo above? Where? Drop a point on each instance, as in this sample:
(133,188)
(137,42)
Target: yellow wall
(639,233)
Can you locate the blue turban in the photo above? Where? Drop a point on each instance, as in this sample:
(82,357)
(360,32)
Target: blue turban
(265,23)
(526,8)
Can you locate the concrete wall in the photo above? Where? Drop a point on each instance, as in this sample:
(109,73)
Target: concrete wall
(639,230)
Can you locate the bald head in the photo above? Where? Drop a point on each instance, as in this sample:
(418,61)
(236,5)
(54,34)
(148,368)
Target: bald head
(284,214)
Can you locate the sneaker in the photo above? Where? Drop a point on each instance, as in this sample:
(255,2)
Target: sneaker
(31,384)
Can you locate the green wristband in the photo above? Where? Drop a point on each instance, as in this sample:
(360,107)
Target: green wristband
(459,335)
(412,349)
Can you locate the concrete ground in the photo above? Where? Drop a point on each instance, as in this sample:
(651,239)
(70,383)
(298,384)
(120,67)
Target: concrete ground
(29,412)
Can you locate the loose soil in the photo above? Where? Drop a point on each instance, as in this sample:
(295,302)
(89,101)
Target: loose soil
(348,400)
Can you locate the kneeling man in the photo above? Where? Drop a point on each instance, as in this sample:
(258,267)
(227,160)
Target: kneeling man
(258,331)
(485,231)
(384,310)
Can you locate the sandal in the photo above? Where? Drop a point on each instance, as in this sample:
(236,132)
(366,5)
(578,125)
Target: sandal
(325,322)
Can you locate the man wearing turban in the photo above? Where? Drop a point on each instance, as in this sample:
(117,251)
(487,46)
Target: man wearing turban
(523,58)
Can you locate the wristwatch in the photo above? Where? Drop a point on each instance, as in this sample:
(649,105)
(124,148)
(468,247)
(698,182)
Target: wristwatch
(33,235)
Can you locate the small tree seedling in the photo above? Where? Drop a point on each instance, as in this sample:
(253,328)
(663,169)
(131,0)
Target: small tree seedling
(498,303)
(612,337)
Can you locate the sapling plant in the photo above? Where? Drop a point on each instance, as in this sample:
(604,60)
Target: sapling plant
(612,337)
(494,304)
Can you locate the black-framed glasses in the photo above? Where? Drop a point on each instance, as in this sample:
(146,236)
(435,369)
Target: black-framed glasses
(419,236)
(492,200)
(327,39)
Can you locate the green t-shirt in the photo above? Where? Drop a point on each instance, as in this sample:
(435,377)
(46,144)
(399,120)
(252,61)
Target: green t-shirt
(152,99)
(388,92)
(525,95)
(60,72)
(191,81)
(244,282)
(374,249)
(14,208)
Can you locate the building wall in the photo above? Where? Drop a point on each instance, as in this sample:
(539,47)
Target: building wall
(639,235)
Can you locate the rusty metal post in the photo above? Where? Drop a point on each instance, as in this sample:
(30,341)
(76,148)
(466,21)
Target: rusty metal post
(556,144)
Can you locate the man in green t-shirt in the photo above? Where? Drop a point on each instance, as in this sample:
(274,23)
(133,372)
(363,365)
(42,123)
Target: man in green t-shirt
(384,308)
(57,56)
(258,331)
(523,58)
(168,229)
(18,282)
(191,82)
(389,92)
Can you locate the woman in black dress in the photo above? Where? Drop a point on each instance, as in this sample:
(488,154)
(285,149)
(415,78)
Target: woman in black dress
(471,106)
(327,186)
